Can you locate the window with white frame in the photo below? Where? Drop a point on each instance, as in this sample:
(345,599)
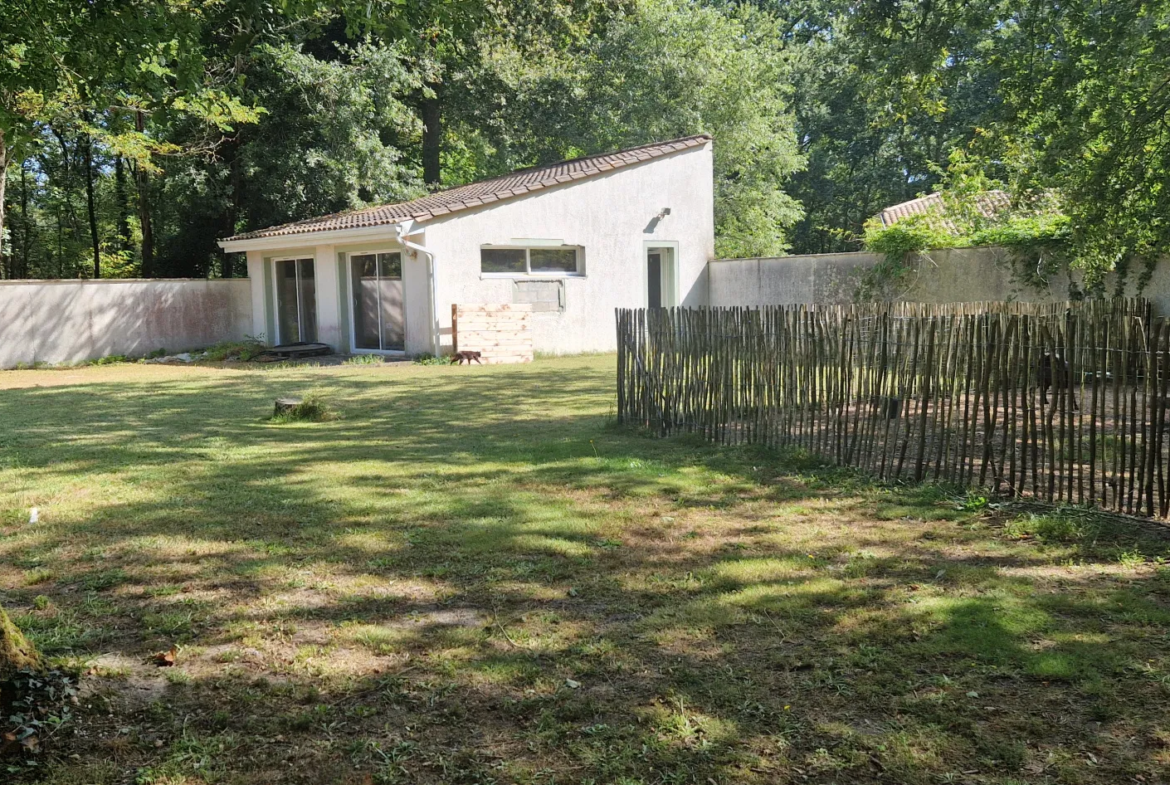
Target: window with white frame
(533,261)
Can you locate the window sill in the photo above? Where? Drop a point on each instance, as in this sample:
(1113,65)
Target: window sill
(531,276)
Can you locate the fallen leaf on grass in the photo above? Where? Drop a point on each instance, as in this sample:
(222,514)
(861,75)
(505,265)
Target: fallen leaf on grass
(165,659)
(30,742)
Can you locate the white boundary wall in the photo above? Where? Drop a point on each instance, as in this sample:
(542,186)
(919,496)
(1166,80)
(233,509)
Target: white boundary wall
(954,275)
(72,321)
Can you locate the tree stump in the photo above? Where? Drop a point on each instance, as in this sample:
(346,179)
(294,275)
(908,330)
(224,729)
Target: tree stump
(15,650)
(286,405)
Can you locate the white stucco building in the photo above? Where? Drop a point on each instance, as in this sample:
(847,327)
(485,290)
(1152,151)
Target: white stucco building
(577,239)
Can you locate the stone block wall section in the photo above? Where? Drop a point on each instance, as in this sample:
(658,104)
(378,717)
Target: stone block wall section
(500,333)
(73,321)
(955,275)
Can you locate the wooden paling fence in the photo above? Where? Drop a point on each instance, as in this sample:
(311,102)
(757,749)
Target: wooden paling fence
(1061,402)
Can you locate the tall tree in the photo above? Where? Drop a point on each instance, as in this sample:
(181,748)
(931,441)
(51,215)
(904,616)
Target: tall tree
(31,72)
(142,198)
(1087,115)
(91,206)
(1072,100)
(882,93)
(453,42)
(663,69)
(72,64)
(122,198)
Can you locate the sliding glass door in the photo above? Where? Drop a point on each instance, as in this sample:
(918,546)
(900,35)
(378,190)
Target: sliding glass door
(378,316)
(296,301)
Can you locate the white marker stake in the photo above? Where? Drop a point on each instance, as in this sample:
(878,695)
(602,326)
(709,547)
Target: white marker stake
(34,515)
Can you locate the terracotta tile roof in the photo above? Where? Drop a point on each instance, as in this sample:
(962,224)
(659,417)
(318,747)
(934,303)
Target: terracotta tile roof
(989,204)
(465,197)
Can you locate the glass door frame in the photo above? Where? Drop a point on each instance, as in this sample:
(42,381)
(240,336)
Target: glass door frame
(668,278)
(275,260)
(348,270)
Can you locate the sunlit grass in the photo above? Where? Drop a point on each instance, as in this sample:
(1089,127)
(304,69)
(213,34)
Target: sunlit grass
(473,576)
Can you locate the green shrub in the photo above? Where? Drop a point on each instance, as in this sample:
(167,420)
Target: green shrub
(245,350)
(1052,527)
(110,360)
(1023,230)
(426,358)
(909,235)
(364,359)
(900,244)
(973,502)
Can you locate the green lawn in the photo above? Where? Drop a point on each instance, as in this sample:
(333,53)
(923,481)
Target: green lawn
(474,577)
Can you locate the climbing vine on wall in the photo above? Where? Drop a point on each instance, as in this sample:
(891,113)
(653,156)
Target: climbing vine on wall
(902,245)
(1036,237)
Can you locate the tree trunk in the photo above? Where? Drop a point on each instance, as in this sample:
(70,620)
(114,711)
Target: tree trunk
(432,136)
(286,406)
(26,226)
(15,650)
(16,654)
(90,207)
(143,183)
(67,187)
(60,245)
(233,211)
(3,182)
(123,205)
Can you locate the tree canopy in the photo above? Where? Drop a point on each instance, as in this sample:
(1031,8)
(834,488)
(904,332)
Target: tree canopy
(134,134)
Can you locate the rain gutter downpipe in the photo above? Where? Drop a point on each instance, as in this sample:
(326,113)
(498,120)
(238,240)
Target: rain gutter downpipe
(407,229)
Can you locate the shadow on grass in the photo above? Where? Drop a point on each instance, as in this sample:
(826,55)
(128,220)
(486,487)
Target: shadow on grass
(474,577)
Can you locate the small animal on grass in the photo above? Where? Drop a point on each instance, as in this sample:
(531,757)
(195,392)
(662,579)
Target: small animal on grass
(466,357)
(1054,369)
